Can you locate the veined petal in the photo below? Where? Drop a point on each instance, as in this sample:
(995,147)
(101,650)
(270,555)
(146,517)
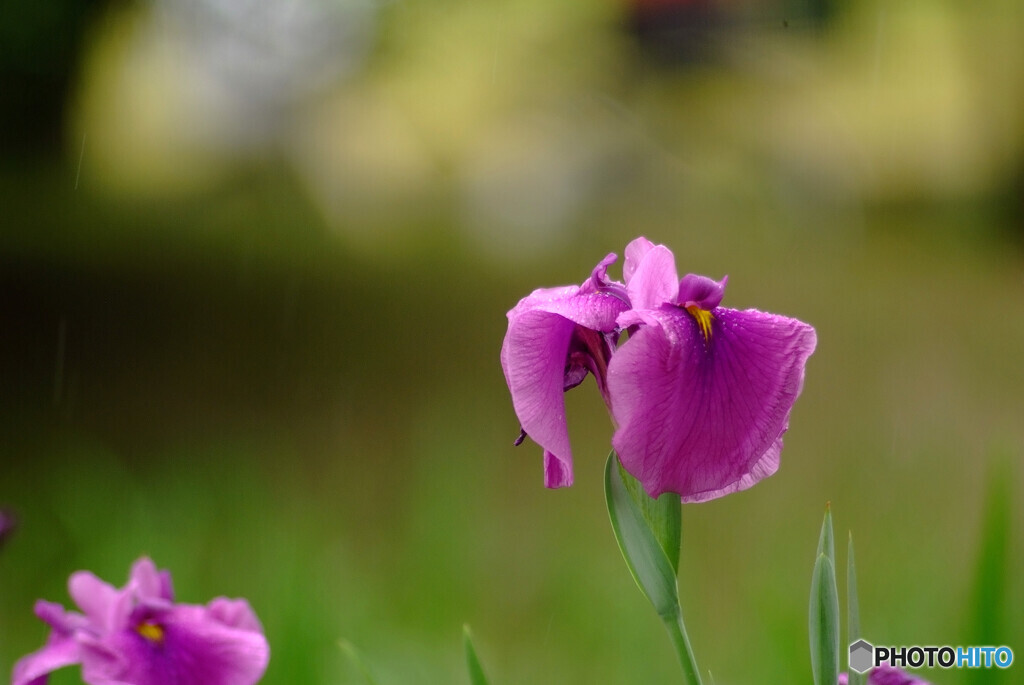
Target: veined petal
(557,471)
(60,651)
(767,465)
(534,357)
(704,417)
(594,310)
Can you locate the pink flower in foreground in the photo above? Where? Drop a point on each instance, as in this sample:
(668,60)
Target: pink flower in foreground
(887,675)
(138,636)
(701,394)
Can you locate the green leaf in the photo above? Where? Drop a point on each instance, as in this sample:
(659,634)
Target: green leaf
(993,575)
(663,515)
(476,671)
(353,656)
(852,610)
(826,541)
(823,622)
(647,532)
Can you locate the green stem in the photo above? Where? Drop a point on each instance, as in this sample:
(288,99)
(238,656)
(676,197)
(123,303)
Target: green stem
(677,631)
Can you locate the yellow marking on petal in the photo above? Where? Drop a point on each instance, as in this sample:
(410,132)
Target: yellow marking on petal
(703,318)
(151,631)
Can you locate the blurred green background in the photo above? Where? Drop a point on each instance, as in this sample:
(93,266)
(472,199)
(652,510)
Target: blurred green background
(254,265)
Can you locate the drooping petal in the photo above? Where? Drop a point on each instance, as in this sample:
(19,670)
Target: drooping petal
(60,651)
(653,280)
(534,357)
(557,471)
(704,417)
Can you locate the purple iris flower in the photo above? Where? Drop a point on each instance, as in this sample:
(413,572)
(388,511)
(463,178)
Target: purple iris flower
(887,675)
(138,636)
(700,394)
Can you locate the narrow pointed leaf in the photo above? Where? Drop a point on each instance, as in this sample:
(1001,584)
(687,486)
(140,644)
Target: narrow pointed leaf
(993,577)
(823,623)
(852,611)
(634,524)
(826,540)
(357,660)
(476,671)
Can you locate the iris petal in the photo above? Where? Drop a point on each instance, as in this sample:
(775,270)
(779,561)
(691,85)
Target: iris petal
(59,652)
(704,418)
(194,649)
(653,280)
(701,395)
(104,605)
(557,472)
(136,636)
(700,291)
(149,582)
(534,357)
(634,254)
(235,613)
(888,675)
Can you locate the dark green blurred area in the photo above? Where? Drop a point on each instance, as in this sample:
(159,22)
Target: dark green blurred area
(272,364)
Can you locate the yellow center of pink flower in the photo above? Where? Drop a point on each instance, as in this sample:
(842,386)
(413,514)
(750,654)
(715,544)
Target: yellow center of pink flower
(703,318)
(151,631)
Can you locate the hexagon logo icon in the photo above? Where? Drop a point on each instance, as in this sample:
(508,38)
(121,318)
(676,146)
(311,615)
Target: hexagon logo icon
(861,656)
